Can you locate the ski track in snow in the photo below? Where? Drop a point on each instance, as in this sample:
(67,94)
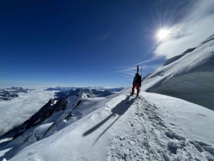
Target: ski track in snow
(149,138)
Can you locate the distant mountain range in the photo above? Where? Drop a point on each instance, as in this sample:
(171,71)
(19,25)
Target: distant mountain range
(90,92)
(13,92)
(66,100)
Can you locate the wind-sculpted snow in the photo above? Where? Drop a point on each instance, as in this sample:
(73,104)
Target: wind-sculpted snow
(30,101)
(120,127)
(171,60)
(190,77)
(57,114)
(211,38)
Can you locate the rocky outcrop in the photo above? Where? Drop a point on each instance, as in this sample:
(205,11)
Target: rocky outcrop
(45,112)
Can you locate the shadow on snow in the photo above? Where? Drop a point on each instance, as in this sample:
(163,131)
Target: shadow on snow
(119,109)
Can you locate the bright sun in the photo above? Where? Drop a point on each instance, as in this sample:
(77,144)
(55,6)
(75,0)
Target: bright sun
(163,34)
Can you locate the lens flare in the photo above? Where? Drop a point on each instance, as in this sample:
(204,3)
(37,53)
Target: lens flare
(163,34)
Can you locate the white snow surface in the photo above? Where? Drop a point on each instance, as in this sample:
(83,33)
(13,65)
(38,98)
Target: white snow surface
(14,112)
(151,127)
(190,77)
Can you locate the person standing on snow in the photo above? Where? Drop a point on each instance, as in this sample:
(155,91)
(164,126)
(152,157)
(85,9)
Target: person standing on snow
(136,83)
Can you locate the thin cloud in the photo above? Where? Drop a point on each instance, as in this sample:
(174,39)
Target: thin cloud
(195,28)
(147,61)
(129,72)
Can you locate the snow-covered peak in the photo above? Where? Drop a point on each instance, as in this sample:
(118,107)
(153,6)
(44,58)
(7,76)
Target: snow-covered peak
(189,76)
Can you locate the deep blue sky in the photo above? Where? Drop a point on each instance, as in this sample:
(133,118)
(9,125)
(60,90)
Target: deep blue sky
(79,43)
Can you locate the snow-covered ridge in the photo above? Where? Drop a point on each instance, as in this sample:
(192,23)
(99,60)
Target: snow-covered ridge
(208,39)
(171,60)
(88,92)
(29,101)
(118,127)
(189,76)
(56,112)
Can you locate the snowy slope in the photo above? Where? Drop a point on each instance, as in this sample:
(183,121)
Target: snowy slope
(189,76)
(125,128)
(122,127)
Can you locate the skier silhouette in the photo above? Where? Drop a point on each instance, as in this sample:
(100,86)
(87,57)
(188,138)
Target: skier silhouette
(136,83)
